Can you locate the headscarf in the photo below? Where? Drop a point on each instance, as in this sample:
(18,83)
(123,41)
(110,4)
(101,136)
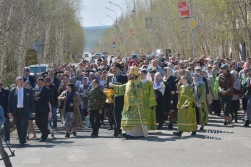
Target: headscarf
(213,73)
(88,81)
(169,72)
(197,84)
(157,85)
(70,94)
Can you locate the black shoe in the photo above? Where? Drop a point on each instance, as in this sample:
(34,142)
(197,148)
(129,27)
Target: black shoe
(177,133)
(159,127)
(74,134)
(246,124)
(22,144)
(219,115)
(225,123)
(202,128)
(170,126)
(42,140)
(193,133)
(111,128)
(67,135)
(236,121)
(94,135)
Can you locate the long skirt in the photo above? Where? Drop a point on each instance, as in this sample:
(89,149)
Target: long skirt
(69,120)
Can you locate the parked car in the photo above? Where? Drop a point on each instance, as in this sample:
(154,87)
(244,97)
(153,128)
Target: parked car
(97,55)
(38,70)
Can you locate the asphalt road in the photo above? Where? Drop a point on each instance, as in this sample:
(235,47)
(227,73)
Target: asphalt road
(217,145)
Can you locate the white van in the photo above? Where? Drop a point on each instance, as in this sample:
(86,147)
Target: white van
(35,68)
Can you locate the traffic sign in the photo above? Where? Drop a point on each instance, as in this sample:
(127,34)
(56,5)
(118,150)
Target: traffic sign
(38,45)
(192,23)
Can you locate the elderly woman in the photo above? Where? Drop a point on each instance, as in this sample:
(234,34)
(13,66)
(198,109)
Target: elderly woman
(71,110)
(235,104)
(169,82)
(159,89)
(201,103)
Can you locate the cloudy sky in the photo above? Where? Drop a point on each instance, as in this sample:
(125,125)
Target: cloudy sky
(94,11)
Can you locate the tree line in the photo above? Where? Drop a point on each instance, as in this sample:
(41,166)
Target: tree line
(222,26)
(56,22)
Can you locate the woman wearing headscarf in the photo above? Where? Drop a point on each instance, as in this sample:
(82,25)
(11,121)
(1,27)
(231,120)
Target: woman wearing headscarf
(167,102)
(71,110)
(214,81)
(235,103)
(159,89)
(83,92)
(201,103)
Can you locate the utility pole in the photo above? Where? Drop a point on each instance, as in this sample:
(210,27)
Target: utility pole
(193,35)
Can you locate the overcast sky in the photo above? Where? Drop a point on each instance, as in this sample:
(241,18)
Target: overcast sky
(94,12)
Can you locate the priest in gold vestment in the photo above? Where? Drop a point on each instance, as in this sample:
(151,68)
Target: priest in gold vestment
(133,123)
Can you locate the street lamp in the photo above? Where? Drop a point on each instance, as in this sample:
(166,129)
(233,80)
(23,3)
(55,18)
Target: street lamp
(113,11)
(120,9)
(111,18)
(102,24)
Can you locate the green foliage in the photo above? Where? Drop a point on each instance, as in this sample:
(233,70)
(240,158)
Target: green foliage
(222,26)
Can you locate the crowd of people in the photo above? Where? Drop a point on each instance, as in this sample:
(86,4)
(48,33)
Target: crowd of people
(147,93)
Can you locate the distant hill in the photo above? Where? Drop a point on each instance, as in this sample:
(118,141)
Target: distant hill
(92,35)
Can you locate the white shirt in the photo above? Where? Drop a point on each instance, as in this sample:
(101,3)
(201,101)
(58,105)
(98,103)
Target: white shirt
(20,97)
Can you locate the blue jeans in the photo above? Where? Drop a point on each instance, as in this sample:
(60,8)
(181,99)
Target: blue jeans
(7,129)
(54,116)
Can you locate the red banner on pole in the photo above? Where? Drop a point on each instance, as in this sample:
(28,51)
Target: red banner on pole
(184,9)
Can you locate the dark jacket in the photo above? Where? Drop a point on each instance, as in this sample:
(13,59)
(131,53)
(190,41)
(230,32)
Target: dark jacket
(121,79)
(4,96)
(206,84)
(53,95)
(56,82)
(28,102)
(168,97)
(42,105)
(32,80)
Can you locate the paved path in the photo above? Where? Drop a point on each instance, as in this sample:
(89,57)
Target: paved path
(161,148)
